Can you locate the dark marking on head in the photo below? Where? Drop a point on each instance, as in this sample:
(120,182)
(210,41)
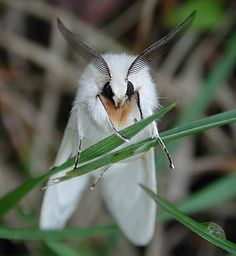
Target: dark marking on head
(107,92)
(130,89)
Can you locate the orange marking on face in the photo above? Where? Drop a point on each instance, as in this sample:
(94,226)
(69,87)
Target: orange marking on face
(118,116)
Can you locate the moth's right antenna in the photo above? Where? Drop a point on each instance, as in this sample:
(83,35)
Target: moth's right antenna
(156,49)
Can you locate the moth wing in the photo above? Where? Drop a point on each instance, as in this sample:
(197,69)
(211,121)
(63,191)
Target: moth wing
(133,210)
(60,200)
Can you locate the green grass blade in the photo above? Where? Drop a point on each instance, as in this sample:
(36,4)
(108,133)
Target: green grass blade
(108,144)
(38,234)
(8,201)
(200,125)
(111,158)
(111,142)
(143,146)
(61,249)
(198,228)
(220,191)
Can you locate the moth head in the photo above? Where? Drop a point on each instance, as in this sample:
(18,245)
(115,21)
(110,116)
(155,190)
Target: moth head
(118,99)
(119,89)
(117,83)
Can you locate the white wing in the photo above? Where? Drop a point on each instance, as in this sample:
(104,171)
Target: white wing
(60,200)
(133,210)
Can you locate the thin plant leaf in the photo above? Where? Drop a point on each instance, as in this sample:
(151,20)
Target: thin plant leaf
(72,233)
(111,142)
(8,201)
(205,230)
(108,159)
(108,144)
(145,145)
(200,125)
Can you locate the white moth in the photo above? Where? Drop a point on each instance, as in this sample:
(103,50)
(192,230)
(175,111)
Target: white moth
(114,91)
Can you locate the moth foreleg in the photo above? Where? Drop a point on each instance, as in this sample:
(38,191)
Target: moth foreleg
(162,144)
(117,133)
(78,154)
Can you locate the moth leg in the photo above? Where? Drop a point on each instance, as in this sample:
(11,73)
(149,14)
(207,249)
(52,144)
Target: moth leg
(111,124)
(78,154)
(163,146)
(99,177)
(155,133)
(139,105)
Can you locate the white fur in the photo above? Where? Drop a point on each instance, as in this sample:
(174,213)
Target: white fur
(132,208)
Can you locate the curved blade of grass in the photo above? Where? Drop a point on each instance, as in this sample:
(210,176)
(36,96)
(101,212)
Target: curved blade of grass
(112,158)
(8,201)
(106,145)
(220,191)
(72,233)
(199,125)
(111,142)
(196,227)
(143,146)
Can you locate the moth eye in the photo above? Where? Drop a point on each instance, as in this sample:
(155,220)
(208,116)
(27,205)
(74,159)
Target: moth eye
(107,91)
(130,89)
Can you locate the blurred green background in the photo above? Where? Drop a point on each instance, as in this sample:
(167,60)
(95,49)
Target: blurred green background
(38,73)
